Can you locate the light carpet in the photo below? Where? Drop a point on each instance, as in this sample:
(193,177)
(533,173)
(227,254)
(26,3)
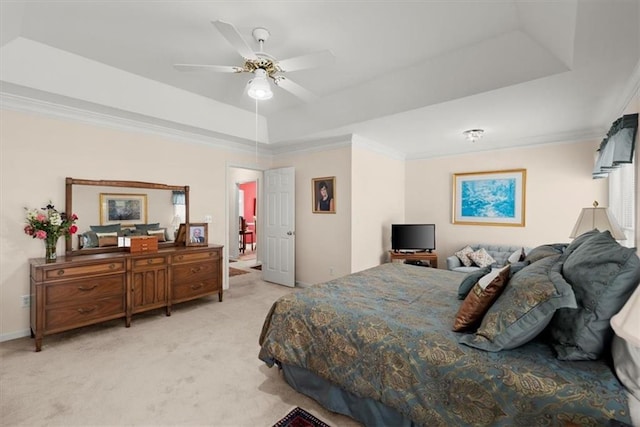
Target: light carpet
(199,366)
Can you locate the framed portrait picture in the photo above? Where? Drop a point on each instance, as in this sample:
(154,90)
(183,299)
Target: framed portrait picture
(181,234)
(125,209)
(323,192)
(490,198)
(197,234)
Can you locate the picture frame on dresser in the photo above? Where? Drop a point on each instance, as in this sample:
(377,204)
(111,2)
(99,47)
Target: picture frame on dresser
(181,235)
(197,234)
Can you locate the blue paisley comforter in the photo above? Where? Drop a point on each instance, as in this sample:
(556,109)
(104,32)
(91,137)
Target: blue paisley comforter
(385,334)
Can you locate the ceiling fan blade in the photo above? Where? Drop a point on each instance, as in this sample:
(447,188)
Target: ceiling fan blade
(216,68)
(232,35)
(307,61)
(295,89)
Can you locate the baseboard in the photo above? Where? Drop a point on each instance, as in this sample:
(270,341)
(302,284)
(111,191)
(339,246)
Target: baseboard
(303,285)
(15,335)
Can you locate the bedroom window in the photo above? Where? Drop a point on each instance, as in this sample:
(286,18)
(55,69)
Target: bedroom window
(622,200)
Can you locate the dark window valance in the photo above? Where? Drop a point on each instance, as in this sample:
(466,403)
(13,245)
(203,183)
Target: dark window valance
(178,198)
(617,147)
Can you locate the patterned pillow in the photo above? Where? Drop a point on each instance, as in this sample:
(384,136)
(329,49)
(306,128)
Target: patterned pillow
(517,256)
(525,308)
(463,256)
(481,258)
(478,301)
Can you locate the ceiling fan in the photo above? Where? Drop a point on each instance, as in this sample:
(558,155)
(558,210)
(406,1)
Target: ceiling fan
(263,65)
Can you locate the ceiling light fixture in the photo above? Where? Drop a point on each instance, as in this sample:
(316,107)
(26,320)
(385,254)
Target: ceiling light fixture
(473,134)
(259,87)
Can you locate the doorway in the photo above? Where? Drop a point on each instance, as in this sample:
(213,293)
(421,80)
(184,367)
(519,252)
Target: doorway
(247,222)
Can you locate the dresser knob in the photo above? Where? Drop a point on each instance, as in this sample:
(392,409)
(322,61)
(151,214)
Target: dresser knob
(83,288)
(196,269)
(197,286)
(60,272)
(112,266)
(149,261)
(86,310)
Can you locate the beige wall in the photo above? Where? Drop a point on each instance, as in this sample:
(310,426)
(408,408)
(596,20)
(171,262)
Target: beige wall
(377,201)
(323,241)
(558,186)
(37,153)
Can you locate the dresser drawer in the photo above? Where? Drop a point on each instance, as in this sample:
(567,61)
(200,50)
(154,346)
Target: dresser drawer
(147,262)
(194,289)
(85,270)
(82,289)
(194,271)
(81,314)
(196,256)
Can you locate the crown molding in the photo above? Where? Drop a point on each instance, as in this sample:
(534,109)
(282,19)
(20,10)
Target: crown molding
(25,104)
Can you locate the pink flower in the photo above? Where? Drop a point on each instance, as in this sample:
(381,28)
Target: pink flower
(74,217)
(41,218)
(73,228)
(28,230)
(41,234)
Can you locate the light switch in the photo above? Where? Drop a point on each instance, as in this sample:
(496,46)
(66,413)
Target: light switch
(208,219)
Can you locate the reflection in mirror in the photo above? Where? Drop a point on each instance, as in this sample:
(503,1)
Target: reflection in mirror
(127,208)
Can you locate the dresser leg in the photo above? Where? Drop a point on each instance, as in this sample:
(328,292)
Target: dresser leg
(220,296)
(38,344)
(127,321)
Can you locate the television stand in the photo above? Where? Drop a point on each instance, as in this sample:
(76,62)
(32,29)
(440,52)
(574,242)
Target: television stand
(430,258)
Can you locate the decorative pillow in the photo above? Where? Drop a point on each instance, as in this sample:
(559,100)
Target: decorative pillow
(146,227)
(107,239)
(106,228)
(517,256)
(481,258)
(89,239)
(160,234)
(463,256)
(603,274)
(525,307)
(470,280)
(575,243)
(143,228)
(544,251)
(478,301)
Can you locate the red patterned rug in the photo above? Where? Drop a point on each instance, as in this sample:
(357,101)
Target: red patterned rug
(298,417)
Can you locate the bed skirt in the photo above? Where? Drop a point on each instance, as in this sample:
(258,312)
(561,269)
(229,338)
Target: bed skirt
(369,412)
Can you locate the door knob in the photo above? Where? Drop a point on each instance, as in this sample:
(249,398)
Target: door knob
(289,233)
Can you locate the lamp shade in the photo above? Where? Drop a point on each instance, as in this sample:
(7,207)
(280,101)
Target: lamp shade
(259,87)
(597,218)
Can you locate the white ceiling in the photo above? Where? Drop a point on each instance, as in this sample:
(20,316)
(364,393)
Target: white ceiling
(408,76)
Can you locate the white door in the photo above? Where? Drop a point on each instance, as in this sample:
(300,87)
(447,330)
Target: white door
(278,263)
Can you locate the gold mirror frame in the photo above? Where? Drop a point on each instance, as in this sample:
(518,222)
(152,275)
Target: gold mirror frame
(70,182)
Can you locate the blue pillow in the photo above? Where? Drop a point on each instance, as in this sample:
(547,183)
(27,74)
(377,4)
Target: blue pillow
(603,275)
(106,228)
(469,280)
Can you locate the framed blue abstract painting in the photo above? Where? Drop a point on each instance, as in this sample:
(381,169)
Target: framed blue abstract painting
(490,198)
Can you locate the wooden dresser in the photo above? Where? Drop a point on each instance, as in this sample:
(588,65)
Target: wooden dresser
(82,290)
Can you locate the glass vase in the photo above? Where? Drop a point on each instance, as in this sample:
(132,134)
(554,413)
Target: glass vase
(50,244)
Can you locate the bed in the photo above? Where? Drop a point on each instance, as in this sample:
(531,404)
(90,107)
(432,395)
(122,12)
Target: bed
(378,346)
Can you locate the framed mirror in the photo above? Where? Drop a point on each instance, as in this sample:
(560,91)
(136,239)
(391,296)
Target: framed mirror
(127,208)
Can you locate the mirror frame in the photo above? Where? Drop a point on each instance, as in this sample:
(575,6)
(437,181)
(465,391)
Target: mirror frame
(70,182)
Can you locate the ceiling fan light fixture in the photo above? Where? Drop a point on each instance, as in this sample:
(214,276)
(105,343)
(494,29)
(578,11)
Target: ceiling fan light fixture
(259,87)
(473,135)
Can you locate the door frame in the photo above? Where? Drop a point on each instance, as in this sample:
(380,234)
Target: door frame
(229,185)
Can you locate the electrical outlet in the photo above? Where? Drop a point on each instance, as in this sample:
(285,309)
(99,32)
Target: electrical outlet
(25,300)
(208,219)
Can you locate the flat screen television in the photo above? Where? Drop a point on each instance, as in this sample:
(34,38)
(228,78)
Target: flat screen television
(413,237)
